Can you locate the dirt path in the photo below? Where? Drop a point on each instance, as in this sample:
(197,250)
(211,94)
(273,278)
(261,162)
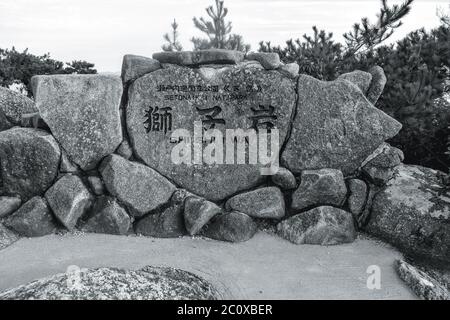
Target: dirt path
(266,267)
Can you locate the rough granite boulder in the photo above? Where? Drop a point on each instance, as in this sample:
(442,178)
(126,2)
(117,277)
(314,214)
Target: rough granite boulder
(8,205)
(231,226)
(231,97)
(7,237)
(4,122)
(413,213)
(319,187)
(268,60)
(134,67)
(284,179)
(29,161)
(139,187)
(322,225)
(357,196)
(148,283)
(198,212)
(96,185)
(380,165)
(82,112)
(360,78)
(335,127)
(260,203)
(69,199)
(290,69)
(169,223)
(108,216)
(377,85)
(33,219)
(193,58)
(13,105)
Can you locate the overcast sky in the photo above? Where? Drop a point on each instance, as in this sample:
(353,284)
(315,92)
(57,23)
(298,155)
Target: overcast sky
(102,31)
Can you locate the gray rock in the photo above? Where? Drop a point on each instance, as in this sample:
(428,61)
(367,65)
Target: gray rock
(169,223)
(290,69)
(231,226)
(109,217)
(413,214)
(124,150)
(33,120)
(379,167)
(93,129)
(197,213)
(148,283)
(323,225)
(5,124)
(134,67)
(29,161)
(422,284)
(190,58)
(335,127)
(260,203)
(359,78)
(141,188)
(13,105)
(33,219)
(96,185)
(7,237)
(319,187)
(377,85)
(284,179)
(357,196)
(8,205)
(69,199)
(268,60)
(212,181)
(66,165)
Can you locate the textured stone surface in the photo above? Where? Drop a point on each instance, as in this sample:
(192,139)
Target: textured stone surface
(231,226)
(29,161)
(284,179)
(8,205)
(260,203)
(33,120)
(108,216)
(323,225)
(422,284)
(69,199)
(377,85)
(268,60)
(33,219)
(66,165)
(360,78)
(7,237)
(124,150)
(13,105)
(134,66)
(93,129)
(319,187)
(197,213)
(379,167)
(254,88)
(189,58)
(5,124)
(335,127)
(96,185)
(169,223)
(413,214)
(141,188)
(148,283)
(290,69)
(357,196)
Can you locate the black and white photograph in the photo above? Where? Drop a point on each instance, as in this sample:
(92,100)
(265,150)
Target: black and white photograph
(216,158)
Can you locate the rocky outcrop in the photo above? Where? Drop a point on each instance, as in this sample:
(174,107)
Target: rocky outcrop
(319,187)
(413,213)
(260,203)
(335,127)
(194,58)
(231,226)
(268,60)
(93,129)
(323,225)
(359,78)
(139,187)
(29,161)
(33,219)
(13,105)
(134,67)
(148,283)
(69,199)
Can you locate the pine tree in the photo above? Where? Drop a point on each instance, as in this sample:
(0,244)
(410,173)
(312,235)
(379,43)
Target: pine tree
(172,42)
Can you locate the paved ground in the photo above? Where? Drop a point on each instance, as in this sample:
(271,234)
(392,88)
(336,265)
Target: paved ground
(266,267)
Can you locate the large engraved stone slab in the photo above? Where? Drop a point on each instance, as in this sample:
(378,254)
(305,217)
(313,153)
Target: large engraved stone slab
(243,96)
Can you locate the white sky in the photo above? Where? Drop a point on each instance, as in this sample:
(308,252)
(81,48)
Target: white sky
(102,31)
